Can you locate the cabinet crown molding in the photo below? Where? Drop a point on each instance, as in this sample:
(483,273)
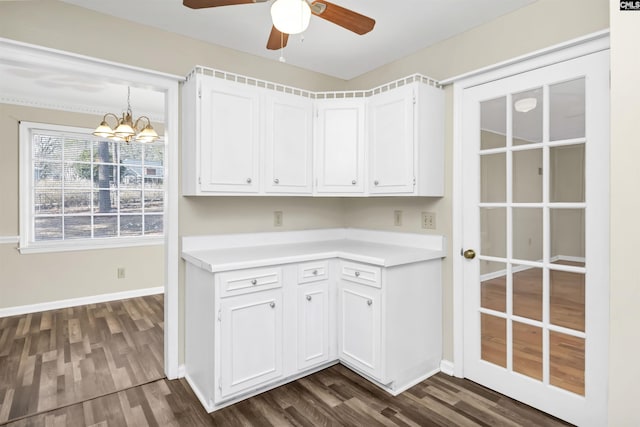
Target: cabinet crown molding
(347,94)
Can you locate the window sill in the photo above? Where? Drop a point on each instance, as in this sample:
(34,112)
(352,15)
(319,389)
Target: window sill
(86,245)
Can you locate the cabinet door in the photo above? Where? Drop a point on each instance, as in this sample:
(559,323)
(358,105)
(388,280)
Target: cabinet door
(288,145)
(229,137)
(340,146)
(360,327)
(250,341)
(313,324)
(391,141)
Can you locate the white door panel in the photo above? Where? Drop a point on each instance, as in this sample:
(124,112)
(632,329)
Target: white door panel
(535,212)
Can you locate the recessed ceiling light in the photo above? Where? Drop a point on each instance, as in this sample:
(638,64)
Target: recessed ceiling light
(525,105)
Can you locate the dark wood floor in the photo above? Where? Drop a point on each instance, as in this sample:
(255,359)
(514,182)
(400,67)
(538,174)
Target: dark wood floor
(333,397)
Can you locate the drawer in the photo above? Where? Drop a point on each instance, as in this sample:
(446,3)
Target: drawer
(249,280)
(313,271)
(361,273)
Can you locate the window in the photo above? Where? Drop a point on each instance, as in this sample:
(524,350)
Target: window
(80,191)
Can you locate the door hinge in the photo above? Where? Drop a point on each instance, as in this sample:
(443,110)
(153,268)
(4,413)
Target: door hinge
(199,180)
(220,384)
(414,100)
(219,315)
(414,181)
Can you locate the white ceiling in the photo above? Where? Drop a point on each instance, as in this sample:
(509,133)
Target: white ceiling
(402,28)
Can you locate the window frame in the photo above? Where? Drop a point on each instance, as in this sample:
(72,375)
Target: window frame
(27,243)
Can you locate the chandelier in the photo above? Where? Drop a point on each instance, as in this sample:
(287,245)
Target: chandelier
(126,129)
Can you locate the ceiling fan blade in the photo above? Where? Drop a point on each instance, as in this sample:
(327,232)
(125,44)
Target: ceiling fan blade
(345,18)
(200,4)
(277,39)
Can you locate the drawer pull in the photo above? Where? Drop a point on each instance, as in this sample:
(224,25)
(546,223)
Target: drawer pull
(276,181)
(254,282)
(357,273)
(369,302)
(354,182)
(272,304)
(308,297)
(248,180)
(376,182)
(314,272)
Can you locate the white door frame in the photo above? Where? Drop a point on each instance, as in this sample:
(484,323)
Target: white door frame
(591,43)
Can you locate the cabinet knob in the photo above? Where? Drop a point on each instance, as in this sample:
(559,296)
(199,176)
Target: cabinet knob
(308,297)
(314,272)
(254,282)
(272,304)
(248,180)
(369,302)
(357,273)
(276,181)
(354,182)
(376,182)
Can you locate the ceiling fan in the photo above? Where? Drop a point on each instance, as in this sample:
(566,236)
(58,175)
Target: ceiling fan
(301,9)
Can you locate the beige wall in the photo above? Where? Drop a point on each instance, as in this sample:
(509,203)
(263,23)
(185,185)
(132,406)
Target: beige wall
(37,278)
(624,370)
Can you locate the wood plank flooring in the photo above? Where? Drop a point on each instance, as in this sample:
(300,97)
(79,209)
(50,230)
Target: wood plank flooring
(333,397)
(60,357)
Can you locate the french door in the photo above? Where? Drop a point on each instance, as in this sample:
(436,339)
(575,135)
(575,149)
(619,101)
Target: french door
(535,235)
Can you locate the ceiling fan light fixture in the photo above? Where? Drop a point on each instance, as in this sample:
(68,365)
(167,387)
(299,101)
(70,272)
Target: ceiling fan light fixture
(525,105)
(290,16)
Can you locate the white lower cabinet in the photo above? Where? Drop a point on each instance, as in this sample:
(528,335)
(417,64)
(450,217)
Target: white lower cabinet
(313,324)
(250,330)
(250,341)
(390,322)
(359,323)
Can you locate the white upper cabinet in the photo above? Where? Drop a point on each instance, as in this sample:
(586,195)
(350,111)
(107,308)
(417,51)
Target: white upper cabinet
(243,136)
(288,153)
(391,142)
(406,141)
(230,132)
(340,143)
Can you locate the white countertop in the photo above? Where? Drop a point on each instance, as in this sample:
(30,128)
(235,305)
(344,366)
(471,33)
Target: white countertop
(232,252)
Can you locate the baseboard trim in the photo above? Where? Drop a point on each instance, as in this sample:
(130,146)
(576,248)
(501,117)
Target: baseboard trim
(446,367)
(72,302)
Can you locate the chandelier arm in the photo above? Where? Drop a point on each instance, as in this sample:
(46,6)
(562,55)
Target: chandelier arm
(135,126)
(104,119)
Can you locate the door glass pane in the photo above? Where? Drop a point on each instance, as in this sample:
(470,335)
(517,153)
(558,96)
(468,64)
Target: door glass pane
(527,292)
(493,170)
(527,350)
(527,234)
(527,176)
(566,300)
(493,285)
(567,236)
(566,362)
(566,178)
(494,339)
(527,117)
(493,228)
(493,123)
(566,110)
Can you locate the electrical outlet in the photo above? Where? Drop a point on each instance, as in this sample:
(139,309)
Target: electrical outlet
(121,272)
(397,218)
(277,218)
(429,220)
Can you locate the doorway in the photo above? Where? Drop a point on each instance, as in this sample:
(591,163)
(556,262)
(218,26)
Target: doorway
(534,235)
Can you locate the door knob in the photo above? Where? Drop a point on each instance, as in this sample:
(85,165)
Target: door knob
(469,254)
